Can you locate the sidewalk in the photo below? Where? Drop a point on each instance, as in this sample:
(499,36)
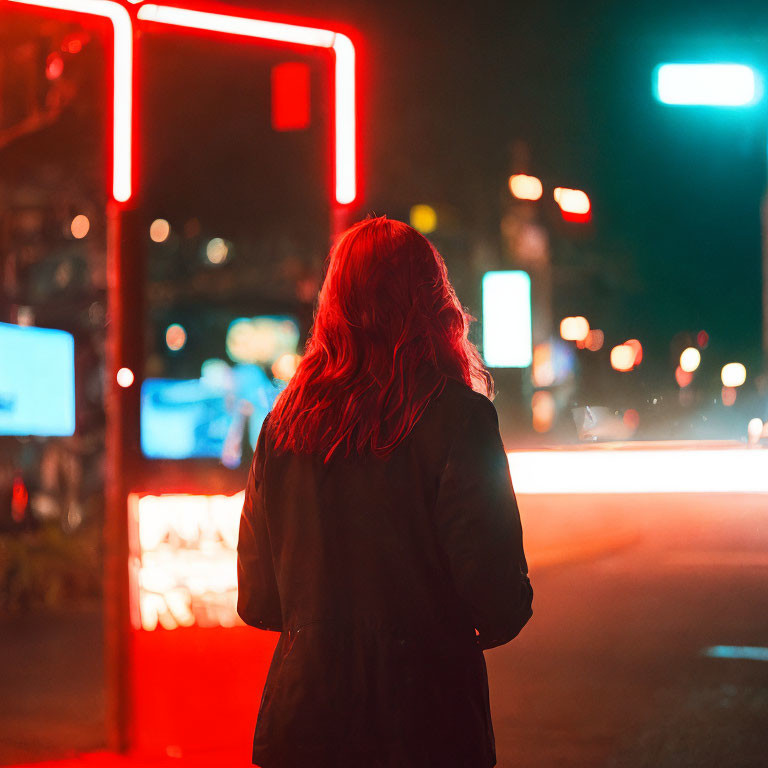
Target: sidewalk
(109,760)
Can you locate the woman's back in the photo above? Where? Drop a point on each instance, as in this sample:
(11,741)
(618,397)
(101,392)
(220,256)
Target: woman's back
(386,577)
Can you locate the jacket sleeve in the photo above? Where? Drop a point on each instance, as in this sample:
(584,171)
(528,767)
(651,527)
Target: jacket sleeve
(258,601)
(479,529)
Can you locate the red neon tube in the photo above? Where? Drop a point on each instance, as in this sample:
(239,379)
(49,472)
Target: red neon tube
(345,162)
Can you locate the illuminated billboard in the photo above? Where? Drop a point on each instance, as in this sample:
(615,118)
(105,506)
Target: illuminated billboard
(184,560)
(507,341)
(37,381)
(208,418)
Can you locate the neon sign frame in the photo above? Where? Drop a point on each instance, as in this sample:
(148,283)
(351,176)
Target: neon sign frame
(122,82)
(123,63)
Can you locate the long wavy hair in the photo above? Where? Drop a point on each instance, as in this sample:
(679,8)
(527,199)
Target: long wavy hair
(388,332)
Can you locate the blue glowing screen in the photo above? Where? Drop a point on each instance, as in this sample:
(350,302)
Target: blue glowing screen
(37,381)
(210,417)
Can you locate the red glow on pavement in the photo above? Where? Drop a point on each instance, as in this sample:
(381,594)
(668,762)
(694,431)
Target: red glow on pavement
(290,96)
(197,689)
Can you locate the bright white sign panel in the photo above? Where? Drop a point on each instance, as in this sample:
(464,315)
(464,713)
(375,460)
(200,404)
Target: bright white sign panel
(708,85)
(507,319)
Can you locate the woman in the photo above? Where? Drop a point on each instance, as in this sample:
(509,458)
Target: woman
(380,533)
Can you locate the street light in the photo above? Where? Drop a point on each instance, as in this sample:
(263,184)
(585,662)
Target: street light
(720,85)
(706,85)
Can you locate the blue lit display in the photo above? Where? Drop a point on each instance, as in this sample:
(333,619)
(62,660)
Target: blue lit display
(206,417)
(37,381)
(754,653)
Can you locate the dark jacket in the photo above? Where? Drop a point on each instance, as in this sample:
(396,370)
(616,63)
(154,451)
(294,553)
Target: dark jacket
(386,579)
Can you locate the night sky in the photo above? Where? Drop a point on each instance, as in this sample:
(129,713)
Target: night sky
(446,90)
(675,191)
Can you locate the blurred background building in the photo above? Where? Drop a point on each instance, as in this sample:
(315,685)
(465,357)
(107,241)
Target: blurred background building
(539,148)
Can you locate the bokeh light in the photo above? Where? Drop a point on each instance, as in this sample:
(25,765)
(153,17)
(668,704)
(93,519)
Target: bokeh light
(543,369)
(54,66)
(733,375)
(755,430)
(216,251)
(574,203)
(72,43)
(683,377)
(728,396)
(261,340)
(543,409)
(175,337)
(623,358)
(159,230)
(631,419)
(525,187)
(216,373)
(285,366)
(423,218)
(124,377)
(637,347)
(595,340)
(574,328)
(690,359)
(80,226)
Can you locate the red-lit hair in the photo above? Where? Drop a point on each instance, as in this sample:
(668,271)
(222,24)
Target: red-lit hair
(389,332)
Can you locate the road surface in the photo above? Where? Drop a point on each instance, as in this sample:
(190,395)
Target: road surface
(630,592)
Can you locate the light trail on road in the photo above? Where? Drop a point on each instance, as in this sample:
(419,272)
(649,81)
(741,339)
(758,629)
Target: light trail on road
(680,467)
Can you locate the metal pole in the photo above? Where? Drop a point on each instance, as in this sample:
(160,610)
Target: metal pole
(764,242)
(124,349)
(341,218)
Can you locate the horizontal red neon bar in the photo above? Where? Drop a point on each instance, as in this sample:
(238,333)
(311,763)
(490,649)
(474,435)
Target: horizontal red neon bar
(344,108)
